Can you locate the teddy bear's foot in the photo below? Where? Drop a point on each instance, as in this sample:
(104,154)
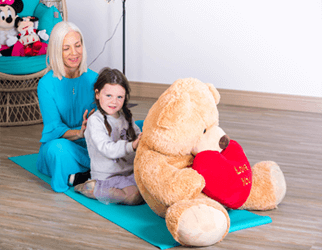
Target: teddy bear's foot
(268,187)
(197,222)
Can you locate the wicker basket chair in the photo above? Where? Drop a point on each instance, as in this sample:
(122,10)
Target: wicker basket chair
(18,93)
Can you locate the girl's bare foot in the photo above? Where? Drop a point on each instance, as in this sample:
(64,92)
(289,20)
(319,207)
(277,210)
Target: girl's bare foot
(86,188)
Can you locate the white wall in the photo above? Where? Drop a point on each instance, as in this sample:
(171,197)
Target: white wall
(254,45)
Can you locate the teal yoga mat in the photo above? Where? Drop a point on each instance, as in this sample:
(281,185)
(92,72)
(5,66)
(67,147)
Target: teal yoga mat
(139,220)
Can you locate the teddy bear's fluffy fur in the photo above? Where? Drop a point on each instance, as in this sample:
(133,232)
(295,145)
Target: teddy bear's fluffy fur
(176,125)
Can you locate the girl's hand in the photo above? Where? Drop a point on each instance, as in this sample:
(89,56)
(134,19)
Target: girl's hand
(84,123)
(135,143)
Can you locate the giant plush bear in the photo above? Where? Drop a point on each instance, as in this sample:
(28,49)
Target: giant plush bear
(175,128)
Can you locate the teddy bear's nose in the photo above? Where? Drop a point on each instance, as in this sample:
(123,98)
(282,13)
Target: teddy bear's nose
(224,141)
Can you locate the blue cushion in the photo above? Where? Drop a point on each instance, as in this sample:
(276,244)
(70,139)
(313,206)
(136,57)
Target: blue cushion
(29,7)
(48,17)
(16,65)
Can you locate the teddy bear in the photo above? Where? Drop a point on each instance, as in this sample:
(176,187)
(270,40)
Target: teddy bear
(28,43)
(9,10)
(178,126)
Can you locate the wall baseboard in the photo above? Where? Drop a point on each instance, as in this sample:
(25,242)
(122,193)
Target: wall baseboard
(241,98)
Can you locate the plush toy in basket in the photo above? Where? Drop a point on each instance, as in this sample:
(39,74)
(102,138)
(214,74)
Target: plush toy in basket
(28,43)
(9,10)
(19,36)
(184,121)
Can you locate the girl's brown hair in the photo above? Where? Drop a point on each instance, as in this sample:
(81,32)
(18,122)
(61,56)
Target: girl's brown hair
(114,76)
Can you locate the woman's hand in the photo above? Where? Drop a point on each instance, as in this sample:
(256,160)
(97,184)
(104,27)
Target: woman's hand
(135,143)
(84,123)
(74,135)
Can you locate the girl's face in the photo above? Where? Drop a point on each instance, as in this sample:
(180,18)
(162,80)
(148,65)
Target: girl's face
(111,98)
(72,51)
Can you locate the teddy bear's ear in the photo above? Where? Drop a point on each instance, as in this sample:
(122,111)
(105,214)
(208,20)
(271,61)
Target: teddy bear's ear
(175,110)
(214,92)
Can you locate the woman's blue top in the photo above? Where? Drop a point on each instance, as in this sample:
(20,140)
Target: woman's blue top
(63,102)
(62,105)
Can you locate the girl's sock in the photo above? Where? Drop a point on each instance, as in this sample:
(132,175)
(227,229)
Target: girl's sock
(78,178)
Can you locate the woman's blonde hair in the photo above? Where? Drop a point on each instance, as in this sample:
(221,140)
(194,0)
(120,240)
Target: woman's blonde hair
(55,49)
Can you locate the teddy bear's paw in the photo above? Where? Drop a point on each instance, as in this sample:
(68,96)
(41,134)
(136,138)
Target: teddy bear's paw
(268,187)
(199,225)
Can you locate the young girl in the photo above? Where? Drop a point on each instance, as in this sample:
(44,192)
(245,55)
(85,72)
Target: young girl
(112,138)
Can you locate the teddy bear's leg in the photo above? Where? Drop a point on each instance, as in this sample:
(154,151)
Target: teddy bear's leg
(268,187)
(199,222)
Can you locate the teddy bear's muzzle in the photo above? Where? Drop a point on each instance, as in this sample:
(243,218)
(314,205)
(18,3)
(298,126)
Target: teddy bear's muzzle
(224,142)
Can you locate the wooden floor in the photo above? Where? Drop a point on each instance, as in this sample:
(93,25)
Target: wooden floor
(32,216)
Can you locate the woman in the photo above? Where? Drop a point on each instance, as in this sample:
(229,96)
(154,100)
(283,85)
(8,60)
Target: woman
(65,97)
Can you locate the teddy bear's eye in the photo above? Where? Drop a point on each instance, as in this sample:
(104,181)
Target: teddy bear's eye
(205,130)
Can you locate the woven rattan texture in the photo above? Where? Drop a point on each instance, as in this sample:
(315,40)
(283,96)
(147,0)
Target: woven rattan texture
(19,102)
(18,93)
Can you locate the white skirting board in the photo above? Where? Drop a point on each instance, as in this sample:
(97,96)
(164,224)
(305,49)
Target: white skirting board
(241,98)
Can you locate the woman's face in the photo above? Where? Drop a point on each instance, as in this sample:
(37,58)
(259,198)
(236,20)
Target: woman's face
(111,98)
(72,51)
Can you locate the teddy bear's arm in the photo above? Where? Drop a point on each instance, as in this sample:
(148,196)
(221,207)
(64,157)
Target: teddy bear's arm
(167,183)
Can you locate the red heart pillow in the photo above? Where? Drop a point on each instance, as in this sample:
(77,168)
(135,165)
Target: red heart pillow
(228,174)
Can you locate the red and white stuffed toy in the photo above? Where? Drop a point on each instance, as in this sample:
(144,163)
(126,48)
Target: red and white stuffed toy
(225,168)
(28,41)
